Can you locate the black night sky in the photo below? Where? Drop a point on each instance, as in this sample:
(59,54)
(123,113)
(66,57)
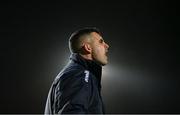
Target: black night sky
(143,71)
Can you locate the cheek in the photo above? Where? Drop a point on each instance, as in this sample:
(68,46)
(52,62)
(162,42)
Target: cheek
(99,51)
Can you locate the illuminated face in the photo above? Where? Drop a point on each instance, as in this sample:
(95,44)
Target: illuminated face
(99,49)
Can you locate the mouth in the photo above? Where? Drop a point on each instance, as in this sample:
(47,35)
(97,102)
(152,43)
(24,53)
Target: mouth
(106,53)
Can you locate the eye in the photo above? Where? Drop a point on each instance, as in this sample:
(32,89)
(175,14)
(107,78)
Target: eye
(101,40)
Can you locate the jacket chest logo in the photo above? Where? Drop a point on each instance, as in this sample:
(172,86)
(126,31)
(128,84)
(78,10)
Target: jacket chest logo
(86,75)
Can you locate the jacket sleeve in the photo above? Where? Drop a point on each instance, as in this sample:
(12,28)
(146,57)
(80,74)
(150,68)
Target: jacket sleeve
(72,94)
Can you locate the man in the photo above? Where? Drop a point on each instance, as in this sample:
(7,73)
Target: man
(77,87)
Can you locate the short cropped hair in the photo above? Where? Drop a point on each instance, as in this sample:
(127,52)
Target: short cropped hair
(74,40)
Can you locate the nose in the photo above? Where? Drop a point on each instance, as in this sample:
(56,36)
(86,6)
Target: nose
(106,45)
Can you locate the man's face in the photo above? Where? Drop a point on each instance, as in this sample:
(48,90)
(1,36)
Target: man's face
(99,49)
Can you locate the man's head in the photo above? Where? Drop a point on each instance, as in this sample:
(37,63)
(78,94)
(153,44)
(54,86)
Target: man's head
(88,42)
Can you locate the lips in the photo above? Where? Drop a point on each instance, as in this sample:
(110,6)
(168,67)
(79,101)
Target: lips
(106,53)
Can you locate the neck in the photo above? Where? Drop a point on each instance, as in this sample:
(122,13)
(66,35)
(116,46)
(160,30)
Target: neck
(86,56)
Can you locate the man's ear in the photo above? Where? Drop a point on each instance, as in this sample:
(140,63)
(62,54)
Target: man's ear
(87,48)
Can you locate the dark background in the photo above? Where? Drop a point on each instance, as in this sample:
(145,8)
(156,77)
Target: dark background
(143,71)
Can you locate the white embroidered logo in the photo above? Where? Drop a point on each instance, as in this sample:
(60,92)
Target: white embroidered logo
(86,75)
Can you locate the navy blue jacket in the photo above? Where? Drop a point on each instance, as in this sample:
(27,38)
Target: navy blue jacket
(76,89)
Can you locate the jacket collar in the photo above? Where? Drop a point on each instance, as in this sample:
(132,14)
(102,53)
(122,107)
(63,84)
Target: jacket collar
(89,65)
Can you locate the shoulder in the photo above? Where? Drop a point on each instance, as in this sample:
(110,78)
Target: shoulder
(71,76)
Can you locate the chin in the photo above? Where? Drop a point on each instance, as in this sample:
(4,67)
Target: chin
(104,63)
(101,62)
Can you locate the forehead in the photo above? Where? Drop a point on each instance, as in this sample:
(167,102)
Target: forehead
(96,36)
